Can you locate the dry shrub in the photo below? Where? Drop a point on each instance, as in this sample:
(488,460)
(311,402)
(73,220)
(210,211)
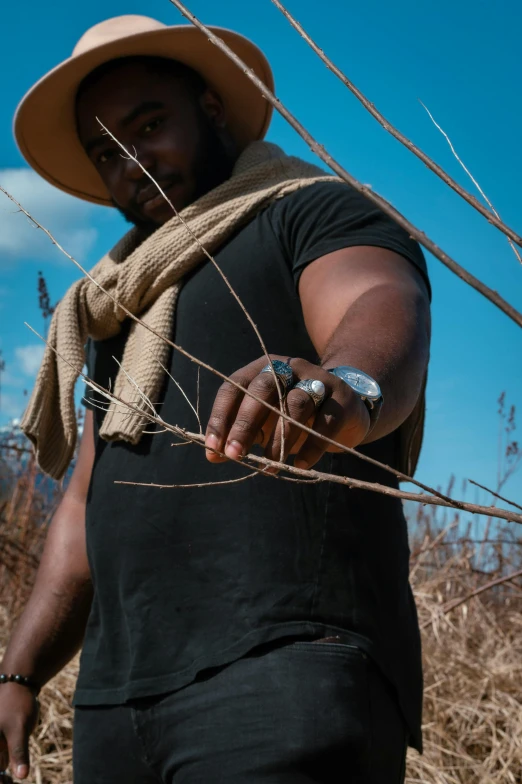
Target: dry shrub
(473,654)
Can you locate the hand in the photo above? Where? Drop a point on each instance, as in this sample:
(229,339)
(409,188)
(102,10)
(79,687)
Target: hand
(18,716)
(237,421)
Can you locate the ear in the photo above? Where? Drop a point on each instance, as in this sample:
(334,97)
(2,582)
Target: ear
(213,107)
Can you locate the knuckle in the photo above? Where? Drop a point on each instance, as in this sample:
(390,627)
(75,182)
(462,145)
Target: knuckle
(298,404)
(228,391)
(238,378)
(245,426)
(217,420)
(263,383)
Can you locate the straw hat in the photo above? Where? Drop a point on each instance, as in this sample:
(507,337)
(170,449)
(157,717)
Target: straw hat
(45,124)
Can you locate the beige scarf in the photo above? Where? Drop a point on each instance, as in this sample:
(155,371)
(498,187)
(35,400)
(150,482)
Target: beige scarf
(145,276)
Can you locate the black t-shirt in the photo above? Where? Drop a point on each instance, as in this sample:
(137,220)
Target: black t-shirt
(187,579)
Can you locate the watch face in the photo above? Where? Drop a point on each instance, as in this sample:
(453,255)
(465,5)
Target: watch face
(361,383)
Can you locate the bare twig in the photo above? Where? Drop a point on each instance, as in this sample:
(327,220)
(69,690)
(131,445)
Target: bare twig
(495,220)
(194,484)
(137,320)
(384,205)
(250,460)
(501,497)
(457,602)
(197,393)
(360,484)
(194,409)
(217,267)
(472,178)
(442,500)
(19,449)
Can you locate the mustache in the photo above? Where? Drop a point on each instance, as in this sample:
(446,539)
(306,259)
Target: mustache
(146,188)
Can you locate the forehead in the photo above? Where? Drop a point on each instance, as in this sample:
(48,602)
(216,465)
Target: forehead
(126,81)
(115,93)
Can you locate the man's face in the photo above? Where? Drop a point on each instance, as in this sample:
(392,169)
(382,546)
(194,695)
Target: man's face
(176,136)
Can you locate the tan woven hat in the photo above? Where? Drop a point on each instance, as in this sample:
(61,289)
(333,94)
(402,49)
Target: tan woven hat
(45,125)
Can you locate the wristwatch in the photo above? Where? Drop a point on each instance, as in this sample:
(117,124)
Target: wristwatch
(365,386)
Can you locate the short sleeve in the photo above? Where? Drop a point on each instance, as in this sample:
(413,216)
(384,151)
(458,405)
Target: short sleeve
(328,216)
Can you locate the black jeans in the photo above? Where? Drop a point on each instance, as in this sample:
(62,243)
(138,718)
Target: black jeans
(302,712)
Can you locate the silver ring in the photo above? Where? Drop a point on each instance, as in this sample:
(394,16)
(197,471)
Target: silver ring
(313,387)
(283,371)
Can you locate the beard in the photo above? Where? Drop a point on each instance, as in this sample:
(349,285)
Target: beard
(213,165)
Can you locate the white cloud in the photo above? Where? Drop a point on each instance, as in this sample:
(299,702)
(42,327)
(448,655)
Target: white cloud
(11,405)
(65,216)
(29,358)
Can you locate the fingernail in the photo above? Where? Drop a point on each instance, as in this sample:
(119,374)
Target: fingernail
(22,771)
(234,450)
(212,441)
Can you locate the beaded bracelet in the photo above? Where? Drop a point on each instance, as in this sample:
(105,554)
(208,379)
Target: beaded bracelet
(21,680)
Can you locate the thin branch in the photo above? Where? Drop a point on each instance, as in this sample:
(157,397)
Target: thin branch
(472,178)
(360,484)
(457,602)
(495,220)
(445,500)
(194,484)
(501,497)
(217,267)
(19,449)
(197,438)
(384,205)
(197,398)
(181,390)
(143,396)
(185,353)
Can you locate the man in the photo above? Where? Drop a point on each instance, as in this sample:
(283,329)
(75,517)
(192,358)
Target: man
(259,630)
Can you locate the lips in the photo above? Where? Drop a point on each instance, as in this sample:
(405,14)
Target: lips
(151,191)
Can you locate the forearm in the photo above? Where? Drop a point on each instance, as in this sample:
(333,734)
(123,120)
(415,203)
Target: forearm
(385,332)
(51,628)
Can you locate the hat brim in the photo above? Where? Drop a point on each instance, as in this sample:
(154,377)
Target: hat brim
(45,122)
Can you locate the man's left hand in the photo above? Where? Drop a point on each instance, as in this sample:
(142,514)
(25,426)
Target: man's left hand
(237,421)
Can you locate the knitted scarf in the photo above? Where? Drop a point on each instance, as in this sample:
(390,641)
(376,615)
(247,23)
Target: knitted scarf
(145,276)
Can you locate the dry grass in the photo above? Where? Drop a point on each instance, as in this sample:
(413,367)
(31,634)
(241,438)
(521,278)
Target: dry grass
(473,654)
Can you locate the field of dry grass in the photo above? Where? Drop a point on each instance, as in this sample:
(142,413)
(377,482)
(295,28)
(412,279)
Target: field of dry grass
(473,652)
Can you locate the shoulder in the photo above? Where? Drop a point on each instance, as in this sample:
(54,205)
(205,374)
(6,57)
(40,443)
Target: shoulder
(319,195)
(328,216)
(327,206)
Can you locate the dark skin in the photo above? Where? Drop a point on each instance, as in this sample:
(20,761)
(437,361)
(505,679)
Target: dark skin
(180,139)
(363,306)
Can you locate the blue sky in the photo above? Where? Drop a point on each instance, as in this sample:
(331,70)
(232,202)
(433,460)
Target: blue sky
(461,58)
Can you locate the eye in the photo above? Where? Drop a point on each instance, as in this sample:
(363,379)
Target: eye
(151,125)
(105,156)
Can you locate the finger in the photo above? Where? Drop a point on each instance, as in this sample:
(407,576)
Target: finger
(4,754)
(251,416)
(330,418)
(300,407)
(266,431)
(18,744)
(224,411)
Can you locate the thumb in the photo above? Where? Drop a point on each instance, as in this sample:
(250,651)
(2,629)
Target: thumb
(18,745)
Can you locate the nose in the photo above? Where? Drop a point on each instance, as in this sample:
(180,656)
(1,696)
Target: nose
(134,160)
